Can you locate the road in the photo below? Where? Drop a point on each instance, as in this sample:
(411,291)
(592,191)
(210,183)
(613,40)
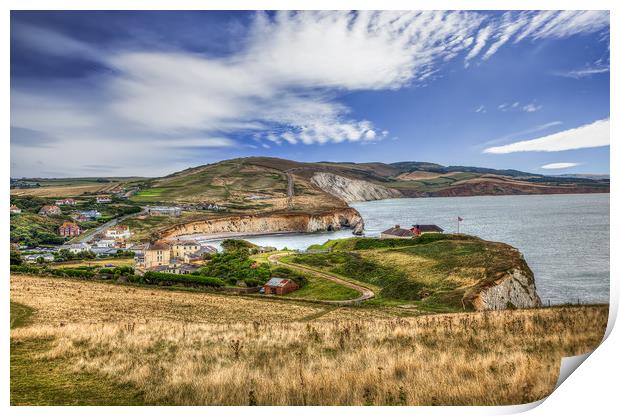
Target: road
(290,190)
(365,293)
(87,238)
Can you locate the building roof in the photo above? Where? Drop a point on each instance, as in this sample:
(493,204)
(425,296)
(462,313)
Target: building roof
(399,232)
(204,250)
(277,282)
(185,243)
(69,224)
(120,228)
(428,228)
(157,245)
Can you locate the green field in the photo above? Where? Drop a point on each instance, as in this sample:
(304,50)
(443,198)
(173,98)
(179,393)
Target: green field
(318,288)
(39,381)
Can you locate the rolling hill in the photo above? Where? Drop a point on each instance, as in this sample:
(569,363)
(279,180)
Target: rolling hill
(264,180)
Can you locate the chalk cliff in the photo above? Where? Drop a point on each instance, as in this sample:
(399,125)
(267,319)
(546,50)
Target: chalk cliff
(352,190)
(513,288)
(273,223)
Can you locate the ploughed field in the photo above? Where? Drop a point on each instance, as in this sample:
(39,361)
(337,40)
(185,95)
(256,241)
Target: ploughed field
(85,342)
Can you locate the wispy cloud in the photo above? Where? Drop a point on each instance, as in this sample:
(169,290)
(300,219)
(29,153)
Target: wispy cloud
(281,87)
(595,134)
(517,106)
(480,109)
(560,165)
(583,72)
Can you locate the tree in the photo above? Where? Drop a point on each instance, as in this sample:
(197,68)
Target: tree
(16,258)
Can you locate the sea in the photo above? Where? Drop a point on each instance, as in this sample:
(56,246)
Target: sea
(564,238)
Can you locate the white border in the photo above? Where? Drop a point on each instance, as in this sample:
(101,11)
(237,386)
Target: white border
(593,386)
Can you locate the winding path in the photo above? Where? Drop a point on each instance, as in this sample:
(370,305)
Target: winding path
(365,293)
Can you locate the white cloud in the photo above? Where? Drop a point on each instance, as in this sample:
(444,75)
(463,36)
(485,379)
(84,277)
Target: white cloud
(583,72)
(481,109)
(516,106)
(595,134)
(530,108)
(560,165)
(281,87)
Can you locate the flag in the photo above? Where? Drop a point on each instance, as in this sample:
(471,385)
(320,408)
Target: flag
(459,219)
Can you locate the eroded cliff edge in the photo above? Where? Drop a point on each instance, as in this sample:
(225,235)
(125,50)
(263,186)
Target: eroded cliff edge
(332,220)
(352,190)
(512,287)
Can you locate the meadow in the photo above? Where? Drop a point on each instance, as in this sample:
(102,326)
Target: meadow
(154,346)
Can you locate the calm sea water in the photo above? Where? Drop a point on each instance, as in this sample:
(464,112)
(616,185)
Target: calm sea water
(564,238)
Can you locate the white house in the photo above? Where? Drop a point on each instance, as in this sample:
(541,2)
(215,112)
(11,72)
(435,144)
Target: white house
(76,248)
(119,232)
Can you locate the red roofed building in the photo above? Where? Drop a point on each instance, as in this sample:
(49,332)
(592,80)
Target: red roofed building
(69,229)
(278,286)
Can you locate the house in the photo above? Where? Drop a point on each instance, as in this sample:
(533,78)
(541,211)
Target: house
(103,200)
(156,254)
(91,214)
(15,209)
(105,243)
(32,258)
(120,232)
(420,229)
(176,267)
(76,248)
(198,256)
(69,229)
(397,232)
(161,210)
(50,210)
(278,286)
(180,249)
(266,249)
(68,201)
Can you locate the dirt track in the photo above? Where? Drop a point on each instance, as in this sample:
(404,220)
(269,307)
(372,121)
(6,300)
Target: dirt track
(365,293)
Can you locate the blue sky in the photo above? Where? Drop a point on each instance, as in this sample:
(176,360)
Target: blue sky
(149,93)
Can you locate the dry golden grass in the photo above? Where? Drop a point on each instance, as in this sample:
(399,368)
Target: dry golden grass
(59,301)
(487,358)
(190,348)
(93,262)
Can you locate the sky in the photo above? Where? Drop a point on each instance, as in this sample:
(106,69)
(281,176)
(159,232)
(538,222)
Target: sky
(148,93)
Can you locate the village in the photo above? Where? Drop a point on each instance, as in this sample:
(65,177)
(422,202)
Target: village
(174,256)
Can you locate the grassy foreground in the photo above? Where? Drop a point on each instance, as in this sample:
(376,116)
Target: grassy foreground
(165,347)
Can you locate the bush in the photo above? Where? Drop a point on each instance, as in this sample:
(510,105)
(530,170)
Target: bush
(236,245)
(234,266)
(25,269)
(159,277)
(284,273)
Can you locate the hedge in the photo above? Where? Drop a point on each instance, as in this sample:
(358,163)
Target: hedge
(157,277)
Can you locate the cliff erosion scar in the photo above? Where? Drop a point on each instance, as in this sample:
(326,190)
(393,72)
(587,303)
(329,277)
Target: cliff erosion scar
(273,223)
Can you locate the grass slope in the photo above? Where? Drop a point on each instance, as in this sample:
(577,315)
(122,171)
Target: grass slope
(436,272)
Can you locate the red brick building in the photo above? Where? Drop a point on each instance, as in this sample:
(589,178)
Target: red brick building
(278,286)
(69,229)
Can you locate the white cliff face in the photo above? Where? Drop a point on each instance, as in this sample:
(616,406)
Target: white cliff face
(515,289)
(271,223)
(352,190)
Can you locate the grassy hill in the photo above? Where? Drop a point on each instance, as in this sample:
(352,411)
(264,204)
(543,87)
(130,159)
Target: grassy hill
(261,183)
(238,179)
(435,272)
